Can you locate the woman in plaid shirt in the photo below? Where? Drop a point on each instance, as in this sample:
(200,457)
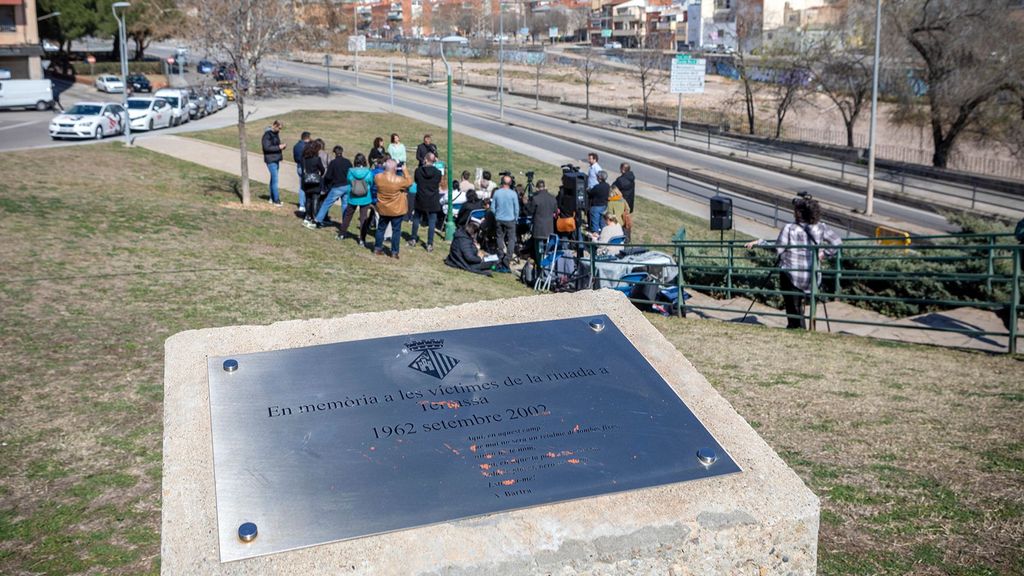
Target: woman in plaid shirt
(794,247)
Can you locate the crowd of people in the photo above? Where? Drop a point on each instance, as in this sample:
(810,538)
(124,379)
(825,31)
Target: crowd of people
(497,221)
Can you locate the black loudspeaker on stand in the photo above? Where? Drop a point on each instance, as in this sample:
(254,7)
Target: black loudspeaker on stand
(721,213)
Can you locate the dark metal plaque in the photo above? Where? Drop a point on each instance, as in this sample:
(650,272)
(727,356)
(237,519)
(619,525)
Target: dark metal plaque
(325,443)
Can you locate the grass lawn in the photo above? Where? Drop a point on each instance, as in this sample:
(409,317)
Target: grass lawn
(916,453)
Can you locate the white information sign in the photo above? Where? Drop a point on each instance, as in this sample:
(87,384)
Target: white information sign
(553,32)
(357,43)
(687,75)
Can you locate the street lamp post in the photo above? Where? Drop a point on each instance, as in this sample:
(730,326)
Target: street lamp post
(870,201)
(48,16)
(124,69)
(501,59)
(449,224)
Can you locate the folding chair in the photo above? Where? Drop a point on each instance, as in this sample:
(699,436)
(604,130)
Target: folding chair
(546,270)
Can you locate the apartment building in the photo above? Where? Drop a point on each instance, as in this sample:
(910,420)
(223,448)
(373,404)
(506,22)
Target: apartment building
(20,51)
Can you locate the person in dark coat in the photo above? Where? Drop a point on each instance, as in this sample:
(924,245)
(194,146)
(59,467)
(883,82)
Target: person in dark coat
(272,147)
(297,149)
(464,254)
(626,183)
(377,152)
(424,148)
(428,200)
(473,202)
(541,209)
(312,164)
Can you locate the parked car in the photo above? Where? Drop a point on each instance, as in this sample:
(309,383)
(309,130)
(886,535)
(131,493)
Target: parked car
(5,73)
(178,99)
(204,67)
(36,94)
(196,104)
(109,83)
(149,113)
(613,46)
(219,98)
(89,120)
(229,90)
(139,83)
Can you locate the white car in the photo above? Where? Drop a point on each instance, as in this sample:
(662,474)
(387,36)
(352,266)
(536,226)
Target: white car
(150,113)
(89,120)
(109,83)
(220,98)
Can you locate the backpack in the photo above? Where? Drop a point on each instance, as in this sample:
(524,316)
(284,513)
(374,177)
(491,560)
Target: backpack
(310,176)
(359,189)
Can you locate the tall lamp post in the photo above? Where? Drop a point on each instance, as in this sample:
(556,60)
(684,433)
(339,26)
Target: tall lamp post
(449,224)
(870,200)
(501,58)
(124,69)
(48,16)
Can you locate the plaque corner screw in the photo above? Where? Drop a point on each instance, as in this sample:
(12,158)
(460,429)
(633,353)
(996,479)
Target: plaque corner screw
(597,324)
(706,456)
(230,365)
(247,532)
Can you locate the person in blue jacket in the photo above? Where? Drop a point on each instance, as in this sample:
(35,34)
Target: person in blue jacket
(360,195)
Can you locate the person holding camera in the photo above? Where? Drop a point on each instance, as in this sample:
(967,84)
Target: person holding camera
(796,246)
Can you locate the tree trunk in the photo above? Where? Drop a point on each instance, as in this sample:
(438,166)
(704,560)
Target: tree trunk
(407,78)
(587,117)
(243,147)
(116,51)
(140,48)
(943,148)
(849,132)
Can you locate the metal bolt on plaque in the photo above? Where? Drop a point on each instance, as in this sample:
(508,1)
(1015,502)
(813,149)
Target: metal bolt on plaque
(247,532)
(597,325)
(706,456)
(230,365)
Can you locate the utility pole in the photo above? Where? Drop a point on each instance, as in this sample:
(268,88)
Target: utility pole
(501,60)
(870,201)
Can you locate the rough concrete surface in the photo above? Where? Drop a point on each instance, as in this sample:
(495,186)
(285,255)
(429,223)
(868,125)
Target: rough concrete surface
(761,521)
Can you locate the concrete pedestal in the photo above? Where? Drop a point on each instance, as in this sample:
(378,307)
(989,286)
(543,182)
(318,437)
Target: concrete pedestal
(761,521)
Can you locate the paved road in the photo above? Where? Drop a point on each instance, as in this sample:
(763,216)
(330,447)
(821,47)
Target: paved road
(480,118)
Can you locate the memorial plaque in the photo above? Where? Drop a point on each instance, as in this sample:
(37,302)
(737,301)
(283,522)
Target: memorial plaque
(326,443)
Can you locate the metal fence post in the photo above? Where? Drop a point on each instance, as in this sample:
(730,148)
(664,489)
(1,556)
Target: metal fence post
(974,194)
(748,148)
(790,160)
(903,182)
(668,178)
(842,170)
(811,324)
(991,264)
(728,274)
(593,265)
(775,217)
(680,301)
(709,139)
(1014,298)
(839,270)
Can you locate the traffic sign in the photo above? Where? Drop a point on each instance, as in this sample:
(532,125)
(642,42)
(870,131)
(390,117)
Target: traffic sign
(606,33)
(357,43)
(687,75)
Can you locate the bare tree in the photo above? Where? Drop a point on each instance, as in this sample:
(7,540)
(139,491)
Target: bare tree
(151,20)
(962,73)
(844,76)
(245,32)
(788,85)
(650,69)
(587,66)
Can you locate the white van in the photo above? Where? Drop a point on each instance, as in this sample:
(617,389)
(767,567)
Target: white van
(36,94)
(178,99)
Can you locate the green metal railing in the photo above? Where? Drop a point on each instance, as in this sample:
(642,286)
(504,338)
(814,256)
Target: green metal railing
(936,273)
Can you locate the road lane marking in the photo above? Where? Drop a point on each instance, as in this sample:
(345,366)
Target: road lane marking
(20,125)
